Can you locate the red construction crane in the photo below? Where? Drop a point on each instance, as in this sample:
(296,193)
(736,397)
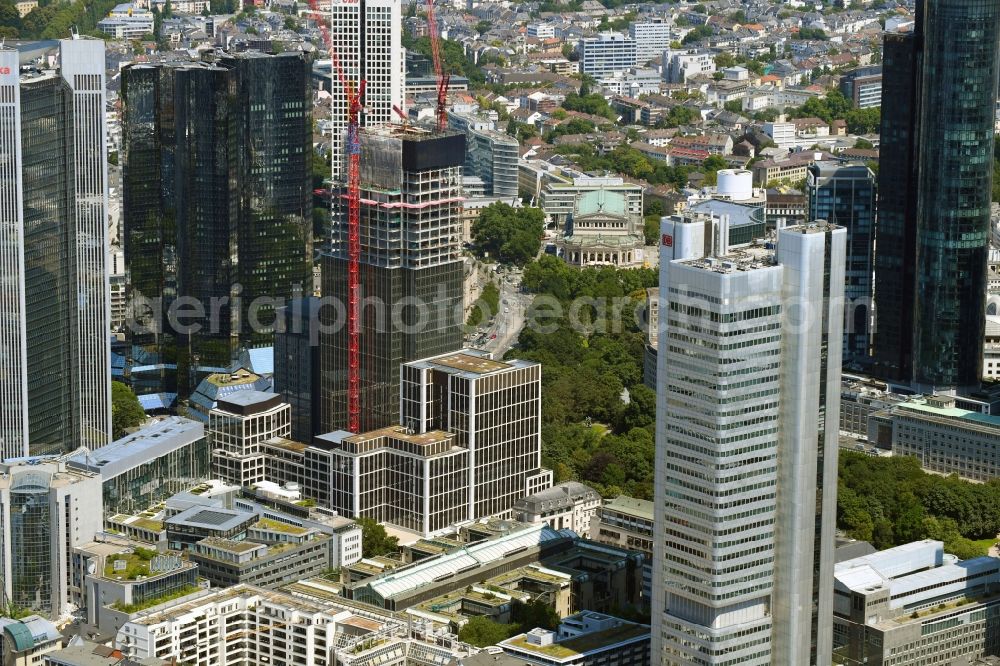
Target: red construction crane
(439,73)
(353,196)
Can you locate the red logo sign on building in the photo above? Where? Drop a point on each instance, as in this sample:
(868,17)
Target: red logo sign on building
(668,240)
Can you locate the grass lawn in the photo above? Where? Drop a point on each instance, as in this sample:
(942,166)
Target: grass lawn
(985,544)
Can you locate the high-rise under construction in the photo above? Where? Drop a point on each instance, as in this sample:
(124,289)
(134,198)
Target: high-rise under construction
(410,270)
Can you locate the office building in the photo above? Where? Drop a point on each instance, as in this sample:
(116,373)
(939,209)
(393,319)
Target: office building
(627,522)
(845,195)
(934,193)
(746,456)
(468,447)
(679,66)
(367,40)
(45,510)
(28,640)
(236,429)
(411,270)
(492,156)
(494,409)
(916,604)
(55,392)
(121,578)
(272,554)
(651,37)
(859,399)
(217,209)
(863,86)
(606,54)
(568,505)
(945,438)
(584,639)
(127,21)
(143,468)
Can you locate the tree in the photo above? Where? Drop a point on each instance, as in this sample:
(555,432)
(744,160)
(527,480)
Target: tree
(483,27)
(375,540)
(863,144)
(511,235)
(711,168)
(126,411)
(481,631)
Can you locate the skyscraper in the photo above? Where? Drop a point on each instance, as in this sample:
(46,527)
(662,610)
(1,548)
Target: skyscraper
(217,208)
(411,270)
(845,195)
(368,45)
(55,389)
(940,86)
(748,388)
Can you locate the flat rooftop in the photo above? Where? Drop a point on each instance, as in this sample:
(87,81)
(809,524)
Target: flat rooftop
(399,432)
(151,442)
(213,518)
(469,363)
(630,506)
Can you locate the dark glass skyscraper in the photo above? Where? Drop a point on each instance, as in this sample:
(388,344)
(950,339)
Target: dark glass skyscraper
(845,195)
(217,208)
(411,270)
(940,86)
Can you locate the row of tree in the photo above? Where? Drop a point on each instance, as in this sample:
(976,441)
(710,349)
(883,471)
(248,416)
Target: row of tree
(597,416)
(892,501)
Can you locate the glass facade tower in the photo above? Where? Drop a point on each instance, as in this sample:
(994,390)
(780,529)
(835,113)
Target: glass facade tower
(411,270)
(217,207)
(845,195)
(55,388)
(934,193)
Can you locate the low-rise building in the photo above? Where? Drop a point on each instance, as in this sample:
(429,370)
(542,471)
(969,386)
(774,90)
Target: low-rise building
(943,437)
(567,505)
(25,642)
(627,522)
(915,604)
(585,639)
(273,554)
(165,457)
(127,21)
(679,66)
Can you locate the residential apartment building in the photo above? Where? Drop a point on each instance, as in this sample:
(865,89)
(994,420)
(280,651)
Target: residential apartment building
(943,437)
(606,54)
(679,66)
(203,220)
(222,625)
(568,505)
(845,195)
(55,391)
(411,264)
(746,456)
(651,37)
(916,604)
(367,38)
(45,510)
(934,209)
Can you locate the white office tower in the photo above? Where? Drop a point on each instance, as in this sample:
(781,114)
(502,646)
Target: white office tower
(746,451)
(55,387)
(367,42)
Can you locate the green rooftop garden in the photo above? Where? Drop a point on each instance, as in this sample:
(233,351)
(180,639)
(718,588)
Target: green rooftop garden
(155,601)
(278,526)
(136,564)
(148,524)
